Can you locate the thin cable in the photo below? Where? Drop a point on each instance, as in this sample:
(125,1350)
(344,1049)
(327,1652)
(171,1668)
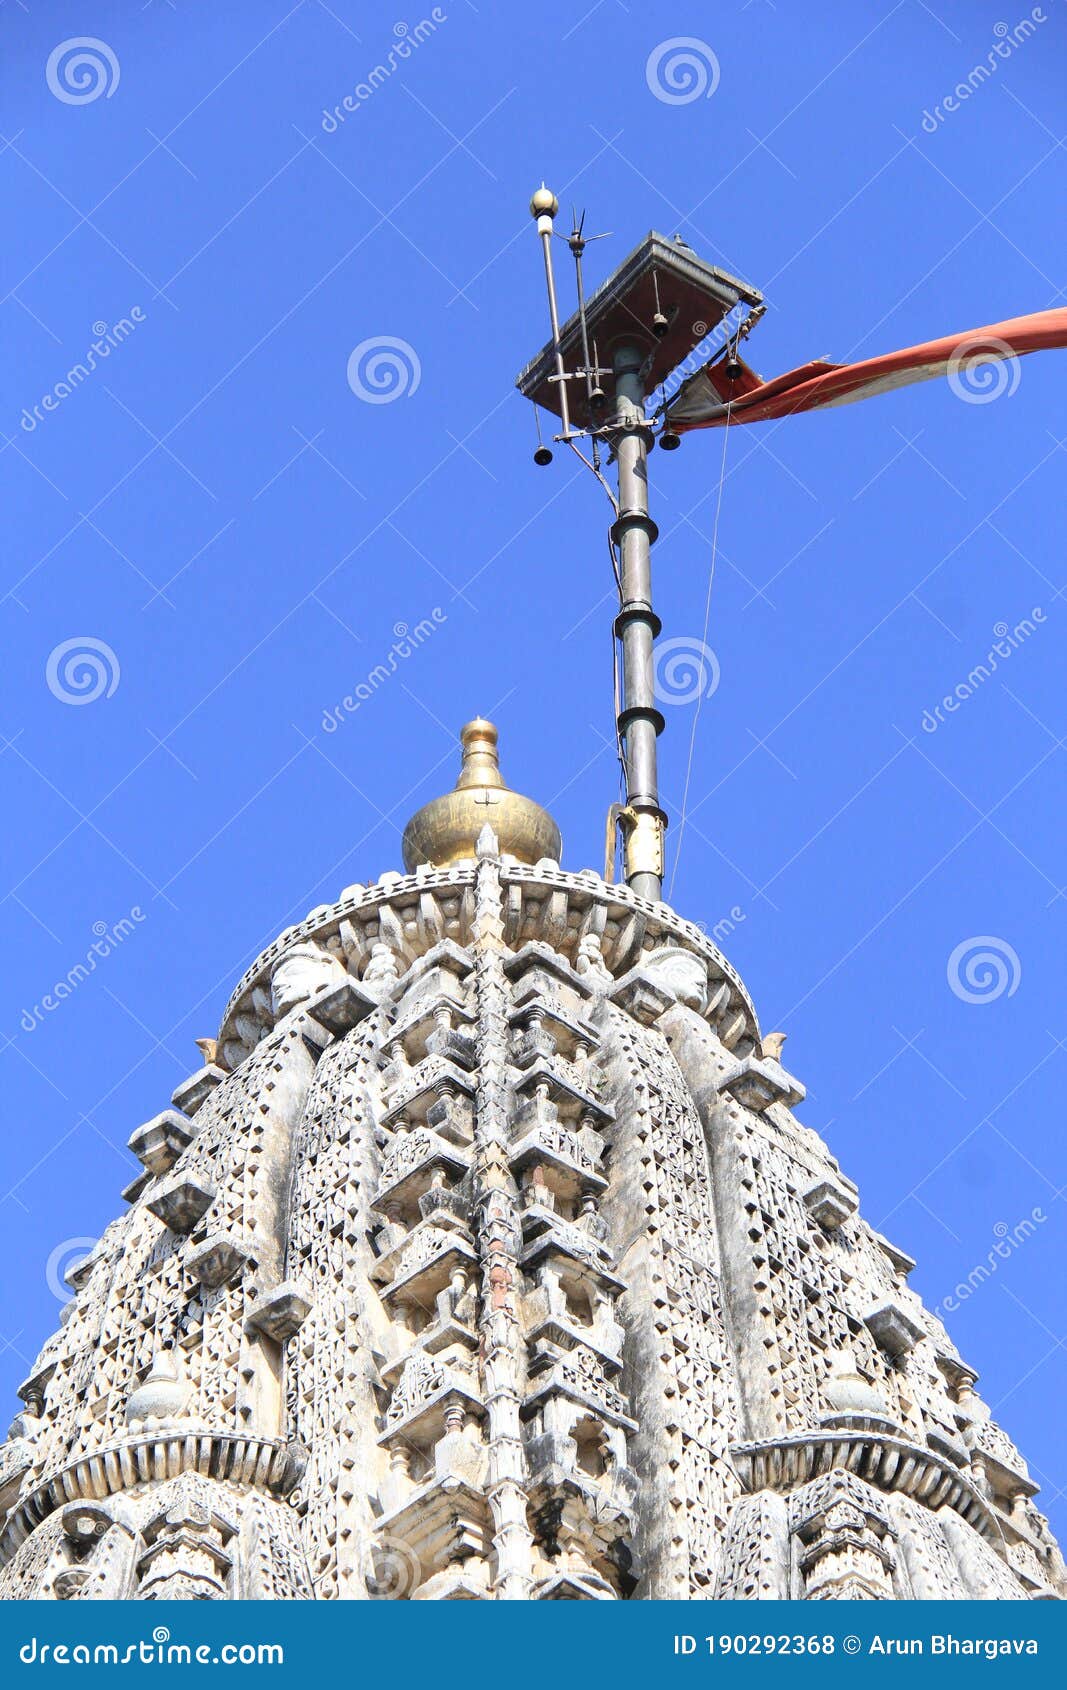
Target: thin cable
(704,643)
(594,469)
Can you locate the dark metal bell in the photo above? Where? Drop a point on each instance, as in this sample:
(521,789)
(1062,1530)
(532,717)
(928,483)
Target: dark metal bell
(660,325)
(669,441)
(543,455)
(598,399)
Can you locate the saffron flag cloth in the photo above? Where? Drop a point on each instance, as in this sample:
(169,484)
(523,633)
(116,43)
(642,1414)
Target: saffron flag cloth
(713,397)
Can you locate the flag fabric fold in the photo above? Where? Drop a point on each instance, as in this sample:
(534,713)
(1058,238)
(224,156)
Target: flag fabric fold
(713,398)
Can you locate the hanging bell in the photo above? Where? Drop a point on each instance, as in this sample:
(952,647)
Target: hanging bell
(598,399)
(660,325)
(669,441)
(543,455)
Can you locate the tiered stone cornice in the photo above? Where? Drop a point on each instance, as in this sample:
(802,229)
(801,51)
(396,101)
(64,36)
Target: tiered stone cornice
(413,913)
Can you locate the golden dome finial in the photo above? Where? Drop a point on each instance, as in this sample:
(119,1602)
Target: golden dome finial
(481,765)
(446,830)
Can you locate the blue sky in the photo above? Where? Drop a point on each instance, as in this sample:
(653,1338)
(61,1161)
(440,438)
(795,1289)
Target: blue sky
(218,508)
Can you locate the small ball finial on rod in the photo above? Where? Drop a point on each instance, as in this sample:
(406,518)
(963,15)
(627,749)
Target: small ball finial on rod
(544,203)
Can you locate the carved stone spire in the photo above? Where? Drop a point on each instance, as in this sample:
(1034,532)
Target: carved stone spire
(486,1259)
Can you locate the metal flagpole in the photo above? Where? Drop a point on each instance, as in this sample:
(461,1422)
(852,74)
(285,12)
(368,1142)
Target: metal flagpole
(649,317)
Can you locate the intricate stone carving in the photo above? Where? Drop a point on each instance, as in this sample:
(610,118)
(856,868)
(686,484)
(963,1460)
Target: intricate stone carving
(486,1259)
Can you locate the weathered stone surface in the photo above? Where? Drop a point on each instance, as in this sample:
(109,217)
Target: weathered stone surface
(340,1008)
(572,1307)
(194,1092)
(182,1201)
(830,1202)
(894,1329)
(281,1313)
(218,1259)
(160,1142)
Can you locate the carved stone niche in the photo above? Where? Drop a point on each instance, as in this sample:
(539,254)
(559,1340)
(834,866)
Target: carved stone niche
(182,1201)
(830,1202)
(435,1546)
(581,1490)
(758,1081)
(410,1165)
(845,1544)
(159,1143)
(186,1555)
(542,975)
(893,1329)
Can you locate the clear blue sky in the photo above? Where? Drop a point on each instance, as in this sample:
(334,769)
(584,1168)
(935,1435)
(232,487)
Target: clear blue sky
(217,506)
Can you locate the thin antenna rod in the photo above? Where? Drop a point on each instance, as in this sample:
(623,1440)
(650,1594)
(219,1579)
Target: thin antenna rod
(544,206)
(577,246)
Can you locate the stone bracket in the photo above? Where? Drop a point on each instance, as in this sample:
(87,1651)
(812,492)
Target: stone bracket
(182,1201)
(758,1081)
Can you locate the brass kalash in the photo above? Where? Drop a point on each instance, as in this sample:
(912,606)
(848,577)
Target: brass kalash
(446,830)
